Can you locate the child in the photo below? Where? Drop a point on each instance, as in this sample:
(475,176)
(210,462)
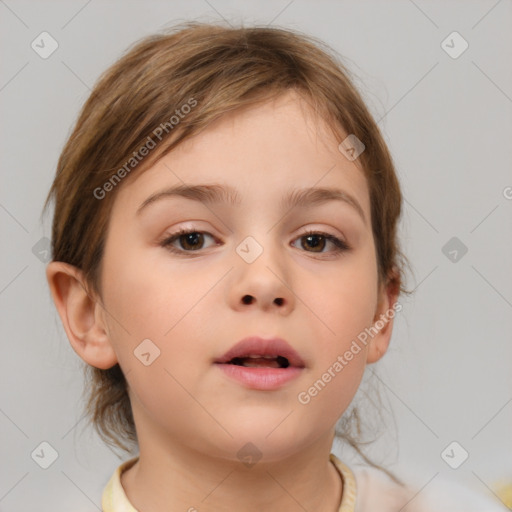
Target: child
(226,263)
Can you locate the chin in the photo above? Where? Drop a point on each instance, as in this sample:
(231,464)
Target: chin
(268,444)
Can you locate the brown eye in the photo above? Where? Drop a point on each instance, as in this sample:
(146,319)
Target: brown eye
(317,242)
(189,241)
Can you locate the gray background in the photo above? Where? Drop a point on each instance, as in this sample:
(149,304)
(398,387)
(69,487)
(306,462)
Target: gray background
(448,123)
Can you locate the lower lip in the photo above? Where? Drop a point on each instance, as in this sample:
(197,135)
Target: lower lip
(265,379)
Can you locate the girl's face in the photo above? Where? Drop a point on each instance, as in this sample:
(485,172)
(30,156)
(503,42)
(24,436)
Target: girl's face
(174,309)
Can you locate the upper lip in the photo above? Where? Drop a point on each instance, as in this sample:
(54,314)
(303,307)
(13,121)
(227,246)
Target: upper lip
(257,346)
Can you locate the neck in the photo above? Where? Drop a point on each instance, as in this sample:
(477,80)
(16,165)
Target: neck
(181,478)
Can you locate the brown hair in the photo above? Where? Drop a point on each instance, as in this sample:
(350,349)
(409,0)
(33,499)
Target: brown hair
(214,70)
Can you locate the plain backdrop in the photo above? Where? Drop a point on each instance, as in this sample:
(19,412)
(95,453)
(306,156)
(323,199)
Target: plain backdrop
(448,121)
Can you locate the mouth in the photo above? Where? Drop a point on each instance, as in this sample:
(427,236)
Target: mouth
(255,351)
(261,364)
(259,361)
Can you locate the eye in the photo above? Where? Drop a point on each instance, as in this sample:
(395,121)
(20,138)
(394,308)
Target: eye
(318,240)
(190,240)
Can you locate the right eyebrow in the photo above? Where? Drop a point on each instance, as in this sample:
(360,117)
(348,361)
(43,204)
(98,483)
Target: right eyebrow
(202,193)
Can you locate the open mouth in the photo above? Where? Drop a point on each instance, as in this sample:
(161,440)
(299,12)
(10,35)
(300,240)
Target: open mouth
(257,361)
(261,364)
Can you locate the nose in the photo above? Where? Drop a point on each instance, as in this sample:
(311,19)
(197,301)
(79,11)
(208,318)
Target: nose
(261,284)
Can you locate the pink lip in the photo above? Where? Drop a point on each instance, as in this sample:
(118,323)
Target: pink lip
(262,378)
(265,379)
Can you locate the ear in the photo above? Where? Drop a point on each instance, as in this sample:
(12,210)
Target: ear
(382,327)
(81,315)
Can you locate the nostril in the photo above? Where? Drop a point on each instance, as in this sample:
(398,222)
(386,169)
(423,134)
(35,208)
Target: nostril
(247,299)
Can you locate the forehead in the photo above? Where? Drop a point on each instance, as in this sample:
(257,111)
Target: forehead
(279,143)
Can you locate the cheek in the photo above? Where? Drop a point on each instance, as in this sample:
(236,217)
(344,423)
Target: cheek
(344,307)
(345,303)
(144,297)
(144,305)
(330,393)
(160,396)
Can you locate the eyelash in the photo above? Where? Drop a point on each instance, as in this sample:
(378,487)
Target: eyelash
(340,245)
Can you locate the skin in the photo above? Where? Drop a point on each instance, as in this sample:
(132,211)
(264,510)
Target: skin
(191,419)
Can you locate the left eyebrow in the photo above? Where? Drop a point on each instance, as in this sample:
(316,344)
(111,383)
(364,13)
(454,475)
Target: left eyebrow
(302,198)
(296,198)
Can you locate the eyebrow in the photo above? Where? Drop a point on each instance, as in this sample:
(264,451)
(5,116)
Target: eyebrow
(297,198)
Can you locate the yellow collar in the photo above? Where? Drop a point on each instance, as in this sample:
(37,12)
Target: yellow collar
(114,498)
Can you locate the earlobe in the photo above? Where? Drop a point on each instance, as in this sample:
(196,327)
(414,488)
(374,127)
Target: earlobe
(383,322)
(80,315)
